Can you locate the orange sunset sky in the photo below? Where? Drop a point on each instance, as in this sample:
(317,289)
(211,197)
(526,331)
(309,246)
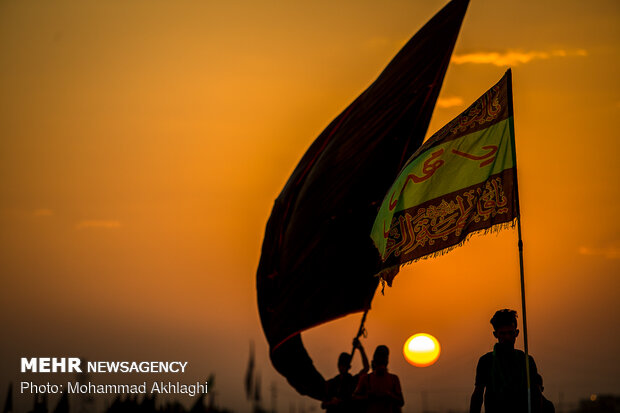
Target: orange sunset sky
(143,143)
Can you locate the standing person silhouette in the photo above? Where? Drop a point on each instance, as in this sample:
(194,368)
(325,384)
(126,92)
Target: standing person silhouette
(500,375)
(340,389)
(379,391)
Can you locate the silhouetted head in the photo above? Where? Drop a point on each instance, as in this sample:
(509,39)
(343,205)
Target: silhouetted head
(505,327)
(380,359)
(344,363)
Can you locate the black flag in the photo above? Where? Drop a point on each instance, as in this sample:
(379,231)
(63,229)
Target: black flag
(318,262)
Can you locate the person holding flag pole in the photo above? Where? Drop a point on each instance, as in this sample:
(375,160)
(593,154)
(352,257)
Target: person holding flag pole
(501,376)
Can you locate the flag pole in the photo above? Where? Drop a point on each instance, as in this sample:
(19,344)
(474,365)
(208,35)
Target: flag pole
(360,331)
(525,346)
(520,246)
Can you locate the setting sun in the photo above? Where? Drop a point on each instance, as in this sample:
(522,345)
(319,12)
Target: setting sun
(421,350)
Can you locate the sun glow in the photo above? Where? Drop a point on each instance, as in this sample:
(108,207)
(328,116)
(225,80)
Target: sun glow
(421,350)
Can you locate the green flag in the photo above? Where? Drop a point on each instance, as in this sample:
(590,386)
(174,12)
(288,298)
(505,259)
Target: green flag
(461,181)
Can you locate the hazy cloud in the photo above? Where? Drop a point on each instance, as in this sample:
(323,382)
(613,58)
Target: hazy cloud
(450,102)
(378,42)
(513,57)
(93,223)
(610,252)
(42,212)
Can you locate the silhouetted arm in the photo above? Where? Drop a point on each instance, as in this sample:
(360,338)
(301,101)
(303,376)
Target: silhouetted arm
(536,386)
(366,366)
(476,399)
(398,393)
(361,391)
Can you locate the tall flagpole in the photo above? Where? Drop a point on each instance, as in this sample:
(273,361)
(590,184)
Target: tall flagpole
(520,245)
(527,361)
(360,331)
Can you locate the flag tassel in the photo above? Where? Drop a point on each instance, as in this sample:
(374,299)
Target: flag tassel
(385,274)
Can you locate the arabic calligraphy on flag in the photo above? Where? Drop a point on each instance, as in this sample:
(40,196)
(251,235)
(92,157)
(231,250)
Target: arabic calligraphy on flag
(461,181)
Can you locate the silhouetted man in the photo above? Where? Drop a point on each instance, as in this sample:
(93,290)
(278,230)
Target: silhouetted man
(500,375)
(379,391)
(340,389)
